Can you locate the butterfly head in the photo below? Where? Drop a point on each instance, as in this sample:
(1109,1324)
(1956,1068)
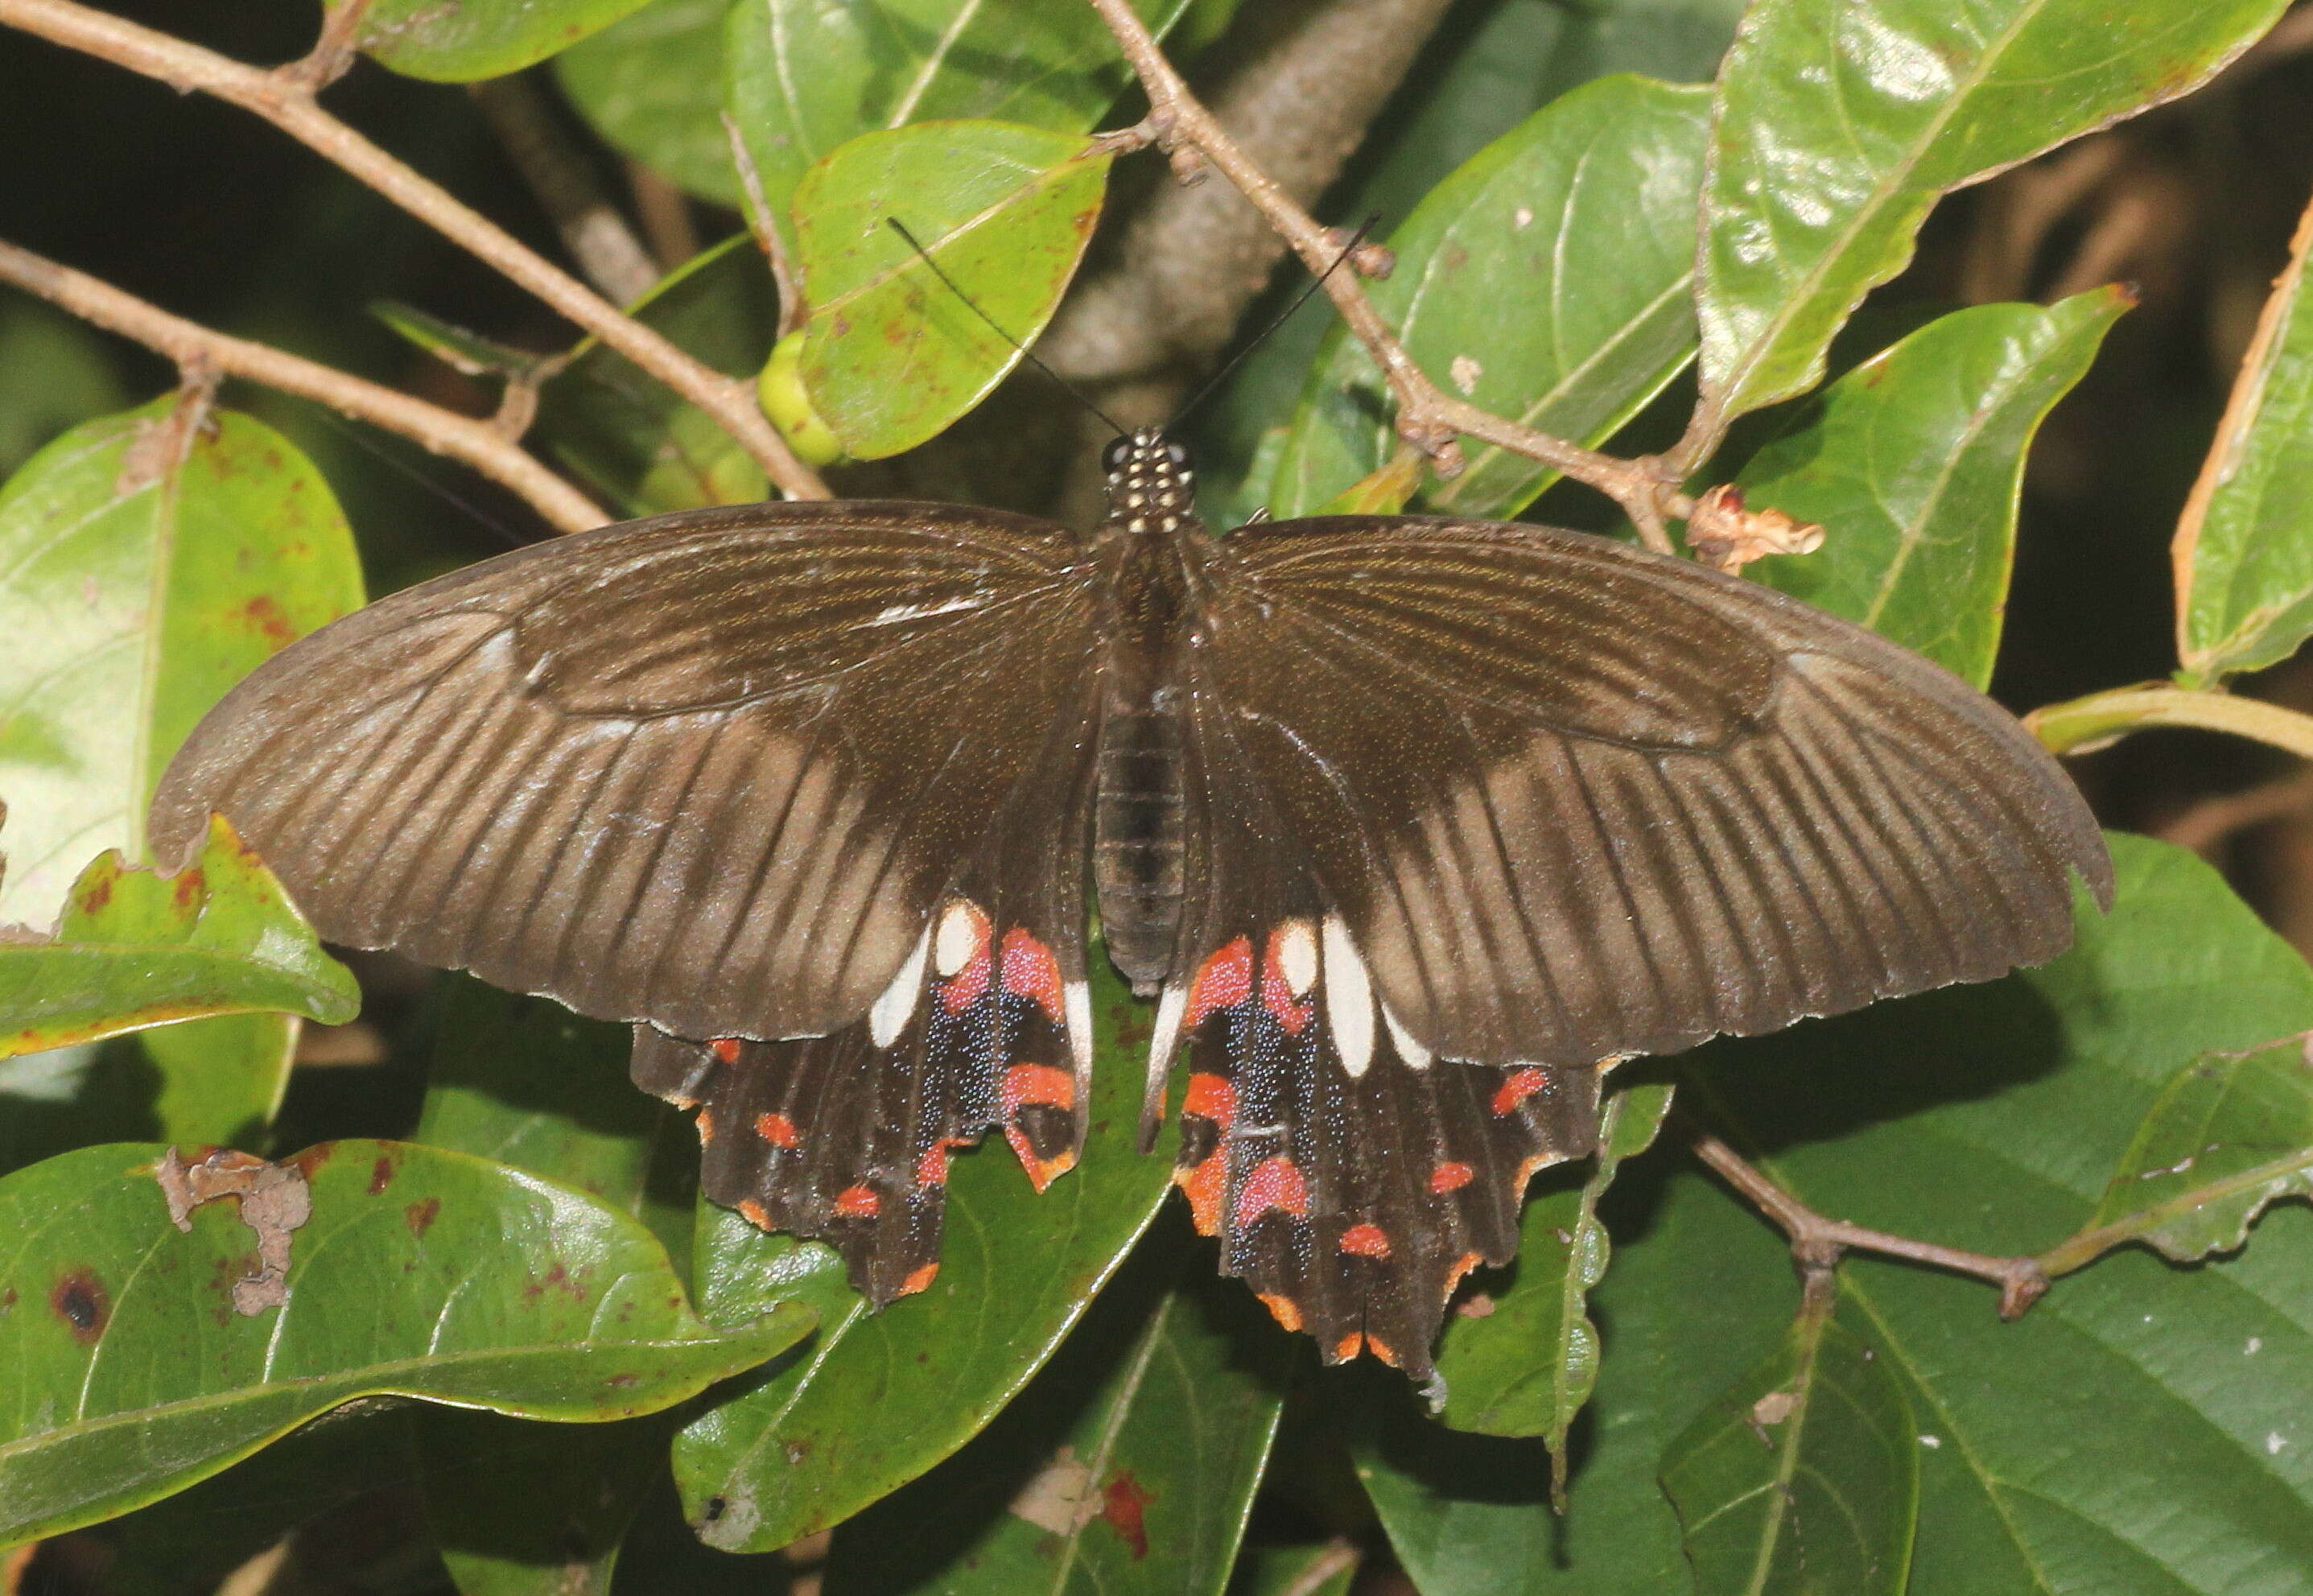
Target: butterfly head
(1150,486)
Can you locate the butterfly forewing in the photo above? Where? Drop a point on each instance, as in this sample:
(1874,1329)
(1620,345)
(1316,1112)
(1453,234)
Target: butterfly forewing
(713,770)
(1575,800)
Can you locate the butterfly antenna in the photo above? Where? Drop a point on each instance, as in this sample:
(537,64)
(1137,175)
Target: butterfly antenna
(1066,387)
(1214,381)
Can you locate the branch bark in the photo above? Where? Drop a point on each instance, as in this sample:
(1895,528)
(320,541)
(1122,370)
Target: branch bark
(1427,417)
(286,98)
(484,446)
(596,235)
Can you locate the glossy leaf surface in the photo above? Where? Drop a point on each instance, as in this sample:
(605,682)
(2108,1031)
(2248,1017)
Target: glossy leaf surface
(2136,1432)
(1128,1465)
(1913,462)
(1839,126)
(891,354)
(2243,554)
(137,948)
(652,85)
(1805,1474)
(802,78)
(419,1271)
(877,1399)
(477,39)
(1583,216)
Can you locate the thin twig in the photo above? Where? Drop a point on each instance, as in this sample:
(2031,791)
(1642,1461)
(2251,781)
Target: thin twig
(476,443)
(2204,824)
(2081,725)
(1427,417)
(766,229)
(596,235)
(1817,1242)
(285,98)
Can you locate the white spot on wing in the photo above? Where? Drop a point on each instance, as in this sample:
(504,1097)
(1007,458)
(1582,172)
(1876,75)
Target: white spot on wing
(1296,956)
(893,614)
(1416,1056)
(957,937)
(1349,999)
(1172,1007)
(889,1017)
(1075,1003)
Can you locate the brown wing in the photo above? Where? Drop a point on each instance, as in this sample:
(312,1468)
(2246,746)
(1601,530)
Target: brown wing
(711,769)
(1573,799)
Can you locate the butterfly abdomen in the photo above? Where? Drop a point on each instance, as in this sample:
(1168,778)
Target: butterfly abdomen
(1138,850)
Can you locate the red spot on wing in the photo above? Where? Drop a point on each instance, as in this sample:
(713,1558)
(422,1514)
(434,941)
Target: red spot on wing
(726,1048)
(706,1126)
(1042,1172)
(777,1130)
(1211,1097)
(1276,996)
(1223,981)
(1461,1265)
(1366,1241)
(969,984)
(754,1213)
(1517,1088)
(1039,1084)
(1451,1178)
(1382,1350)
(1030,971)
(1284,1310)
(857,1202)
(1123,1503)
(917,1280)
(931,1169)
(1348,1346)
(1202,1184)
(1274,1184)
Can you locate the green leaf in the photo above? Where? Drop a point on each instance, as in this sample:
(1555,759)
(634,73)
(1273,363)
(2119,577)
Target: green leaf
(652,85)
(1805,1475)
(2243,556)
(55,372)
(2232,1135)
(2135,1434)
(1581,218)
(1327,1570)
(142,574)
(1528,1365)
(640,448)
(1913,463)
(803,78)
(137,948)
(137,1366)
(469,353)
(1128,1465)
(881,1397)
(519,1508)
(477,39)
(1840,126)
(892,353)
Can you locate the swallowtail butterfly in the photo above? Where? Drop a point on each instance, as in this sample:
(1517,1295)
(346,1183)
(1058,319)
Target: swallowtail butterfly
(1406,824)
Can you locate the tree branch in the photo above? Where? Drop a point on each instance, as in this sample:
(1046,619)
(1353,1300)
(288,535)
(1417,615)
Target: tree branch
(596,235)
(482,445)
(1427,417)
(285,98)
(1817,1242)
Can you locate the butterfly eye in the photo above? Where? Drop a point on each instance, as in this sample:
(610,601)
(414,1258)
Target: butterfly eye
(1112,458)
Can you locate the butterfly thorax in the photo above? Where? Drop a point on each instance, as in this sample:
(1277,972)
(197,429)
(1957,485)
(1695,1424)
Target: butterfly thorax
(1148,549)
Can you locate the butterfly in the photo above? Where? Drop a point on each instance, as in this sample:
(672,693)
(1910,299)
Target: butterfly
(1410,825)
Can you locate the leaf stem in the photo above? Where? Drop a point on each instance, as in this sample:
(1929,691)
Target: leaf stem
(484,446)
(1817,1243)
(286,98)
(1427,417)
(2104,718)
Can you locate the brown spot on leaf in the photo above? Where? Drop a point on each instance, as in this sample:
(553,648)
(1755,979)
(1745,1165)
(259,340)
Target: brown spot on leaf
(420,1216)
(80,1301)
(273,1199)
(1122,1502)
(381,1173)
(265,616)
(96,895)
